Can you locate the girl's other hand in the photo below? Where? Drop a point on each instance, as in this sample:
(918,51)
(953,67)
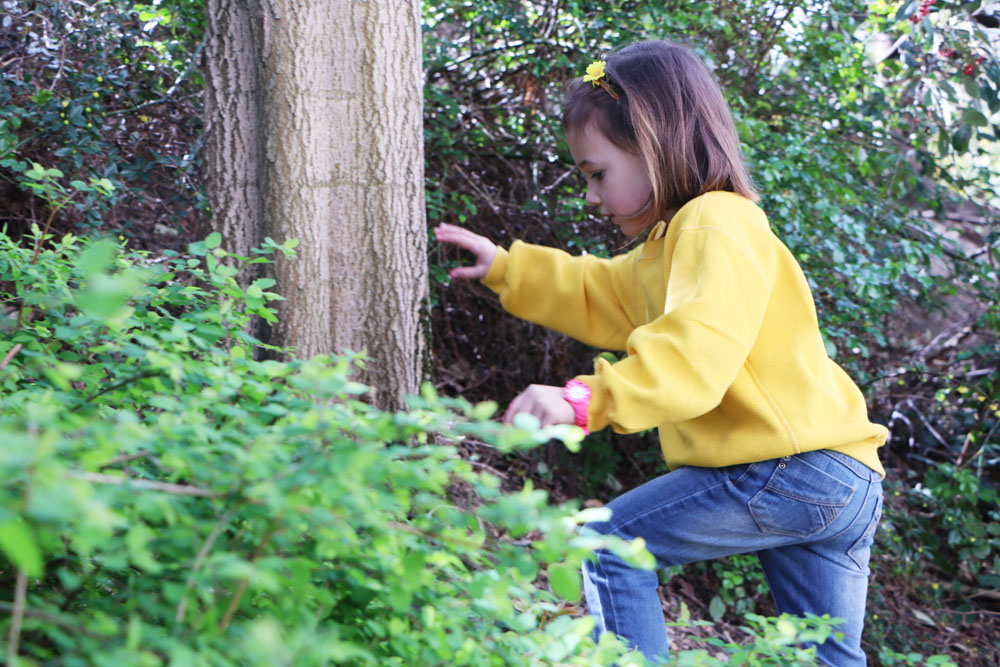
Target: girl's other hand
(545,402)
(480,246)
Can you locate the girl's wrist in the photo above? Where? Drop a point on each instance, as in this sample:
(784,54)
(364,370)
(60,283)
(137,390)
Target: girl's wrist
(578,394)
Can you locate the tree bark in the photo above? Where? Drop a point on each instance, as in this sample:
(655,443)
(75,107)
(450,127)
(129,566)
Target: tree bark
(338,152)
(232,146)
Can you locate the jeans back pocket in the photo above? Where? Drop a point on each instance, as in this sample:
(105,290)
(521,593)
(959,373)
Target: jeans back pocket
(799,499)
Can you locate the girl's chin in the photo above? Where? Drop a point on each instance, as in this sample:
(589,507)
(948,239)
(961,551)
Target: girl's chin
(630,228)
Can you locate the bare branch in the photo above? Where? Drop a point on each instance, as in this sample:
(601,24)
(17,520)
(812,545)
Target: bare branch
(16,618)
(200,560)
(163,487)
(10,355)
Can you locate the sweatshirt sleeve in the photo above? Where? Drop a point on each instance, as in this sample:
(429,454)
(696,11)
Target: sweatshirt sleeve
(583,297)
(680,365)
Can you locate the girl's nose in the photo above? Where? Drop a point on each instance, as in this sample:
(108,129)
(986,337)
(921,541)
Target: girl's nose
(592,197)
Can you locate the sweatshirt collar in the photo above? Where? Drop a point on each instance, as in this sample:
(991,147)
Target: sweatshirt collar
(657,232)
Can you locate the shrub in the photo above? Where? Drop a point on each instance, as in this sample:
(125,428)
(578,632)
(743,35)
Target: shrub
(168,497)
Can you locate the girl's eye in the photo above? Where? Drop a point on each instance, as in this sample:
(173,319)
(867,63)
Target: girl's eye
(597,175)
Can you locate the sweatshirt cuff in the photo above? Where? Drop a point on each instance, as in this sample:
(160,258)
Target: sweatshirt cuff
(600,402)
(495,278)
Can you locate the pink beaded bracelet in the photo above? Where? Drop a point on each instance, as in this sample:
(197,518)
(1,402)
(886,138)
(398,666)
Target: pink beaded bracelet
(577,394)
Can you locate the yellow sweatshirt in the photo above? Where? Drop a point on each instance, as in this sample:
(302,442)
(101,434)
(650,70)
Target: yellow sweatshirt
(724,351)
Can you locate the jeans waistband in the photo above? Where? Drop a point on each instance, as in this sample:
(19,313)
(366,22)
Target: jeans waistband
(852,464)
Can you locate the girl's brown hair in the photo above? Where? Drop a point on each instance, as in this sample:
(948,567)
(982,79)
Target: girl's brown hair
(670,113)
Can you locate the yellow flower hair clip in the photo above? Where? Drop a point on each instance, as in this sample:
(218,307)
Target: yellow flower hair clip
(595,71)
(596,75)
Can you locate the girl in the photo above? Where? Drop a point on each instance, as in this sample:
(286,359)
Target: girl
(768,440)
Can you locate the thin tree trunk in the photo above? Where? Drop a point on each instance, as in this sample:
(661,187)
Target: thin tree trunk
(232,146)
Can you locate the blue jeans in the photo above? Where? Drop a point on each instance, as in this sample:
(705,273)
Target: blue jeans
(810,518)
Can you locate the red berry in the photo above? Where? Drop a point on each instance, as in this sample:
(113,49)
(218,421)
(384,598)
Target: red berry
(914,18)
(969,68)
(980,59)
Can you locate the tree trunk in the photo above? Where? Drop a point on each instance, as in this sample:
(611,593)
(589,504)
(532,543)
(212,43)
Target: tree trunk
(338,147)
(232,142)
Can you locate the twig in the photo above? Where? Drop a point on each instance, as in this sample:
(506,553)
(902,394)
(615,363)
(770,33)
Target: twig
(51,618)
(979,452)
(235,602)
(939,341)
(766,44)
(164,487)
(982,251)
(965,448)
(62,65)
(140,376)
(200,560)
(490,469)
(48,225)
(170,91)
(896,414)
(478,188)
(14,637)
(38,248)
(125,458)
(10,355)
(556,182)
(987,593)
(407,528)
(927,424)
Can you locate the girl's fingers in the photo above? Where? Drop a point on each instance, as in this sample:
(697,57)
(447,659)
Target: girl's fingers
(462,237)
(521,403)
(508,417)
(468,273)
(484,250)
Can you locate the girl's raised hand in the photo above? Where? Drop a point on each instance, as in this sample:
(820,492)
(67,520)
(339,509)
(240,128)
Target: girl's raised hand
(480,246)
(545,402)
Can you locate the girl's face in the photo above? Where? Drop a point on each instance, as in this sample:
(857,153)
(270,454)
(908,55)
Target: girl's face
(616,181)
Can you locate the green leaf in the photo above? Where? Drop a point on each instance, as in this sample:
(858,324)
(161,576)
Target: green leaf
(19,546)
(905,10)
(960,139)
(213,240)
(42,96)
(685,615)
(95,258)
(970,86)
(716,608)
(973,117)
(254,297)
(264,283)
(485,410)
(565,581)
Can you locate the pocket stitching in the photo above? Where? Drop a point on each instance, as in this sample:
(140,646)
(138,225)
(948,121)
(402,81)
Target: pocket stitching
(823,505)
(869,532)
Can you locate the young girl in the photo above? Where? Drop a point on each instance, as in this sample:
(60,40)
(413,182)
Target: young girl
(768,440)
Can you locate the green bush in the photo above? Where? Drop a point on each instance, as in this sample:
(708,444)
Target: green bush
(167,497)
